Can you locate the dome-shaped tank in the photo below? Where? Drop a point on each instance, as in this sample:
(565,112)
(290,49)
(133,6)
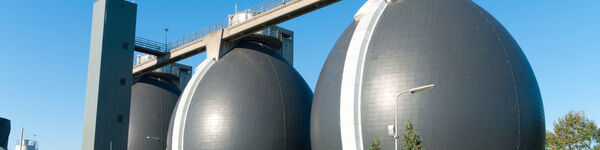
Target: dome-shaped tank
(4,132)
(153,98)
(249,99)
(486,94)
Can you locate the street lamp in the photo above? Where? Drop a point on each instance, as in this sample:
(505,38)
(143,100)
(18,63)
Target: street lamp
(392,128)
(166,42)
(157,139)
(153,138)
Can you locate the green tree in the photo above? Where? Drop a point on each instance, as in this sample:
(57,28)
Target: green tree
(597,147)
(375,145)
(573,131)
(412,140)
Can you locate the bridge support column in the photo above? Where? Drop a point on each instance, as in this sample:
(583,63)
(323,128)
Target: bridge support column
(216,46)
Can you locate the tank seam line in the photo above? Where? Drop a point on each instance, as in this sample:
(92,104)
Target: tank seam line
(513,78)
(282,103)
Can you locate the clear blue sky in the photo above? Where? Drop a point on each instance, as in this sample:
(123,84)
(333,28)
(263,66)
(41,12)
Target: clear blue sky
(44,53)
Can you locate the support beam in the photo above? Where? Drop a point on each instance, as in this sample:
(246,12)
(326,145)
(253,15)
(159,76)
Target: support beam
(214,43)
(216,46)
(108,93)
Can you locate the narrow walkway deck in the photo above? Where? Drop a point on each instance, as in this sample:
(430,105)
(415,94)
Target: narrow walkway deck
(269,13)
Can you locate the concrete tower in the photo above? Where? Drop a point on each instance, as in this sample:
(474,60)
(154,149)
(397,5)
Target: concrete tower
(108,92)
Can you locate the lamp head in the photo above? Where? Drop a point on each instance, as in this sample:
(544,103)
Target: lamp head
(421,88)
(153,138)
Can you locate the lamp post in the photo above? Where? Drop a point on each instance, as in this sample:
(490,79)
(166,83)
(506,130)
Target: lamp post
(392,129)
(166,42)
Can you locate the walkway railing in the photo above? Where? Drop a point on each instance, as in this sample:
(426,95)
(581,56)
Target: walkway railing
(267,5)
(149,44)
(197,35)
(225,23)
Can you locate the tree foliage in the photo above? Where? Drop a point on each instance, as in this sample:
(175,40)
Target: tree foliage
(375,145)
(412,140)
(573,131)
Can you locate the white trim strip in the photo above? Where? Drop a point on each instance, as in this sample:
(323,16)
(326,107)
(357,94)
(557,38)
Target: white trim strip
(184,103)
(350,95)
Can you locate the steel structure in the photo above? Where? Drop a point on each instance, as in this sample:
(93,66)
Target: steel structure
(250,99)
(486,94)
(153,97)
(113,41)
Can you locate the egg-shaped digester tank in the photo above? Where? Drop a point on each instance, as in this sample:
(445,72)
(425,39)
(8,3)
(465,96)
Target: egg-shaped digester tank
(4,132)
(249,99)
(486,94)
(153,98)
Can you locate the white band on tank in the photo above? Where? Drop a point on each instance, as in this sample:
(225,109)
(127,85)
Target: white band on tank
(350,95)
(181,109)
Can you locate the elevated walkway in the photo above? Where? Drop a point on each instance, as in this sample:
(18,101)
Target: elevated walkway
(217,37)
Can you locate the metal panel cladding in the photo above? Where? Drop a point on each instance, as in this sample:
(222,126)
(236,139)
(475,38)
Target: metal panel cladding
(486,94)
(153,98)
(4,132)
(250,99)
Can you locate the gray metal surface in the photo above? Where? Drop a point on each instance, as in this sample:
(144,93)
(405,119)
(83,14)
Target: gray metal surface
(325,115)
(486,94)
(153,98)
(250,99)
(108,91)
(4,132)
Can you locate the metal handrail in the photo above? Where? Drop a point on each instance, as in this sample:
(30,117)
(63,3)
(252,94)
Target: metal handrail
(225,23)
(149,44)
(197,35)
